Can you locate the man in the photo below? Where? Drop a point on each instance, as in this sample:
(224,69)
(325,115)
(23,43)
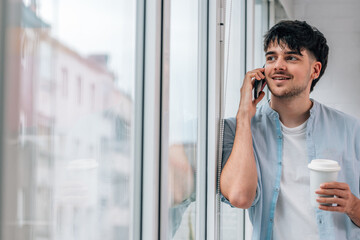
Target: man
(267,149)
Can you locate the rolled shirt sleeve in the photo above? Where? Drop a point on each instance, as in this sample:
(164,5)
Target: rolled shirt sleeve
(228,142)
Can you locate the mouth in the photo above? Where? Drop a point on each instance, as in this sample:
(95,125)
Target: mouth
(280,78)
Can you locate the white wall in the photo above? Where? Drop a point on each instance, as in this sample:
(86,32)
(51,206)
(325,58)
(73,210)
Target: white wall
(339,21)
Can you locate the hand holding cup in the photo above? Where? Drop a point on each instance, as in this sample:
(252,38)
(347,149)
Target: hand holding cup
(322,171)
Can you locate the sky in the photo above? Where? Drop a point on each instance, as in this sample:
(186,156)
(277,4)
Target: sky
(96,27)
(108,26)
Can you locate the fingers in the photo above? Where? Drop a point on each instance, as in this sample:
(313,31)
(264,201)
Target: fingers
(257,74)
(248,83)
(261,96)
(340,204)
(331,200)
(247,101)
(335,185)
(338,189)
(332,208)
(337,192)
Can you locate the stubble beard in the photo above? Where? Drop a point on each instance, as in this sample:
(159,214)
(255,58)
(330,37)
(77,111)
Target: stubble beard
(293,92)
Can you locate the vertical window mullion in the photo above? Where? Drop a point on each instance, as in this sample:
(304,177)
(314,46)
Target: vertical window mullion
(151,118)
(139,123)
(165,88)
(213,106)
(201,181)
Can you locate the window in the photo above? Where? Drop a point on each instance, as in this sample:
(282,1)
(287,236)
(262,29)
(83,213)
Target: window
(243,51)
(68,179)
(92,96)
(65,82)
(79,90)
(180,119)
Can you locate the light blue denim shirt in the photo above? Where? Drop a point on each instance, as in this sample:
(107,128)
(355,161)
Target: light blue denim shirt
(329,134)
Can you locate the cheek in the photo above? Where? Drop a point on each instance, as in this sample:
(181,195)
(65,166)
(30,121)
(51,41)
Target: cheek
(310,75)
(266,72)
(302,74)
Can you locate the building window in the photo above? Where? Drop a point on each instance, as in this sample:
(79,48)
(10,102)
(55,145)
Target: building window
(92,96)
(65,82)
(79,89)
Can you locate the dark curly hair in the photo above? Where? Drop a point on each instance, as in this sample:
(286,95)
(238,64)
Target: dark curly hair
(298,35)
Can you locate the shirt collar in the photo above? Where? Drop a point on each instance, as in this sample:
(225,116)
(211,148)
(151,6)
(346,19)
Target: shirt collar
(275,115)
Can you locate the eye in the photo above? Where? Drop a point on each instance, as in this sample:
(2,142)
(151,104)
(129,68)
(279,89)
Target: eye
(292,58)
(270,58)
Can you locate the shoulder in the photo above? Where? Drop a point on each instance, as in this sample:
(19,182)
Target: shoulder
(264,116)
(337,116)
(230,123)
(263,111)
(331,118)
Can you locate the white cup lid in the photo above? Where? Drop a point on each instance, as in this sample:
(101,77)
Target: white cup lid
(325,165)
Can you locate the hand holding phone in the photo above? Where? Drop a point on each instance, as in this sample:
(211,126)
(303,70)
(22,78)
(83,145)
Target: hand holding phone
(258,87)
(247,102)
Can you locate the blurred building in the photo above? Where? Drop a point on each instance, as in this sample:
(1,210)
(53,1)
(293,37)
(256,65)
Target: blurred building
(70,129)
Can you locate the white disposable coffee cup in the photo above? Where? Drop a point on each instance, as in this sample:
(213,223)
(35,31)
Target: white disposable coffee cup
(321,171)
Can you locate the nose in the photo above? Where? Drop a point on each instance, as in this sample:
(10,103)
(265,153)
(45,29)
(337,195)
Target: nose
(279,64)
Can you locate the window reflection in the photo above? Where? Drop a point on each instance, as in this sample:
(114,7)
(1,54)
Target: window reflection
(234,223)
(183,117)
(69,114)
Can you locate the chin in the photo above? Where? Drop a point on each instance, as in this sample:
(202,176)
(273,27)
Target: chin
(283,93)
(277,92)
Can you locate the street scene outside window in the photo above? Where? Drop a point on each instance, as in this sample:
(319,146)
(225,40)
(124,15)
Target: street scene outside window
(69,118)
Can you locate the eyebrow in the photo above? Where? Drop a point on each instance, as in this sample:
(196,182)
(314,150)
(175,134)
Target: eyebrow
(294,52)
(269,53)
(288,52)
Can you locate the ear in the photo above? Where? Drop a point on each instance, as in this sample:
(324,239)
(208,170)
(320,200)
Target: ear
(315,70)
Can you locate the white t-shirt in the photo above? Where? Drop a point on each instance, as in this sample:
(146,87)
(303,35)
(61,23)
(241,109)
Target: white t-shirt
(294,216)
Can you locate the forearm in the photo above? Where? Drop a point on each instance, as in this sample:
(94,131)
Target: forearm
(238,179)
(355,213)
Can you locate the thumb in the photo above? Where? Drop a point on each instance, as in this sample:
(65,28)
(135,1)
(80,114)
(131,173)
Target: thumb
(261,96)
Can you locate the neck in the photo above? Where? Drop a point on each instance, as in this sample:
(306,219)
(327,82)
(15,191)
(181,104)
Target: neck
(292,111)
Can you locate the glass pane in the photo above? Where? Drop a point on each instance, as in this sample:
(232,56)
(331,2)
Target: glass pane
(260,28)
(234,55)
(183,112)
(68,158)
(232,219)
(235,223)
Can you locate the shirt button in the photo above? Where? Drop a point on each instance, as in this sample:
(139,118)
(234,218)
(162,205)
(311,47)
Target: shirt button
(271,220)
(277,189)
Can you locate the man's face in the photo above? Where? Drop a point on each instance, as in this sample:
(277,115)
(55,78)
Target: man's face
(289,73)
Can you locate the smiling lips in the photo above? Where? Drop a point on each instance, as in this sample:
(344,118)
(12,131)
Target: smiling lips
(280,77)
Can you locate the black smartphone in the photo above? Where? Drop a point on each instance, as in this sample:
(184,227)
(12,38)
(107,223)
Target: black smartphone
(259,86)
